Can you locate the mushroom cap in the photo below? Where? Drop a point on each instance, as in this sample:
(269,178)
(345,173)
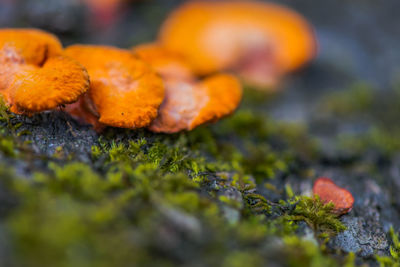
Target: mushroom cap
(189,104)
(34,74)
(224,94)
(32,45)
(217,35)
(61,80)
(164,62)
(125,90)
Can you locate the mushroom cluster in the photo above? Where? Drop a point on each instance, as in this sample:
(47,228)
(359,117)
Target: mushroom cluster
(188,101)
(184,79)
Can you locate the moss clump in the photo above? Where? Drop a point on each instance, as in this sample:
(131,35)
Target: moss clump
(10,143)
(169,156)
(257,203)
(315,213)
(4,115)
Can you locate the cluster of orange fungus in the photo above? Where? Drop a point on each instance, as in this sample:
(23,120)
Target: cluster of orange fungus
(124,90)
(157,85)
(258,41)
(328,192)
(188,102)
(35,75)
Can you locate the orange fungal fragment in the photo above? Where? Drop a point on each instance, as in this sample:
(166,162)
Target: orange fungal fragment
(34,74)
(328,191)
(259,41)
(124,92)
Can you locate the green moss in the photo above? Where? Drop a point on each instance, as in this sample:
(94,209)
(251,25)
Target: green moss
(305,253)
(4,114)
(316,214)
(354,100)
(375,112)
(378,139)
(141,191)
(394,258)
(7,146)
(257,203)
(242,258)
(10,143)
(350,260)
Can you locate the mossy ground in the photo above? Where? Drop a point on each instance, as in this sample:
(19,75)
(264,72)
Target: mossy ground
(220,195)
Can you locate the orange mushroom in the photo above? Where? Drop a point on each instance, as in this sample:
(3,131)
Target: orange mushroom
(259,41)
(34,75)
(166,63)
(188,103)
(124,92)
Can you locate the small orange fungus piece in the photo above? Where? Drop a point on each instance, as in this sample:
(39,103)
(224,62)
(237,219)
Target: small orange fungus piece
(124,92)
(190,104)
(259,41)
(328,191)
(34,74)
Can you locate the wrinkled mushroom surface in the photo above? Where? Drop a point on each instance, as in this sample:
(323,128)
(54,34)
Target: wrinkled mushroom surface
(34,74)
(124,92)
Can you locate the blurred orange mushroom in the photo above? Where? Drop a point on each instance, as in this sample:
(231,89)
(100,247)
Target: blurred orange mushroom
(188,103)
(166,63)
(124,92)
(34,74)
(103,12)
(259,41)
